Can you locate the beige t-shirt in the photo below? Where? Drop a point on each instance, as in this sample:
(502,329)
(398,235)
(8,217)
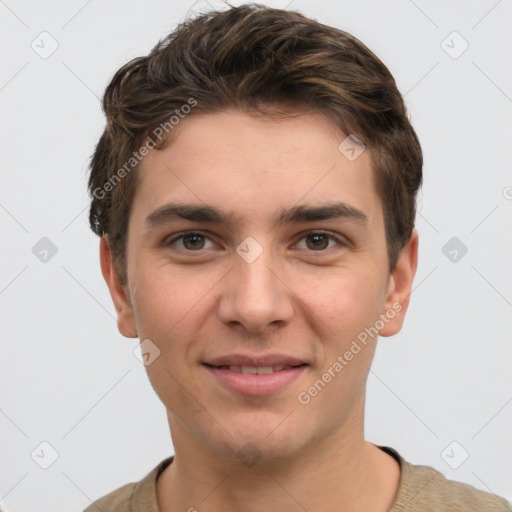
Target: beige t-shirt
(421,489)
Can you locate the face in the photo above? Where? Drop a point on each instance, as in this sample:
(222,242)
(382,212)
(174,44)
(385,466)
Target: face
(257,268)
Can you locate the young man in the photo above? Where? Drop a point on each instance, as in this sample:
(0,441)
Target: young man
(254,191)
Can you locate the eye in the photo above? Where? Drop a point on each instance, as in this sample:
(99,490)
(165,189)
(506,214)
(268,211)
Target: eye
(315,241)
(190,241)
(318,241)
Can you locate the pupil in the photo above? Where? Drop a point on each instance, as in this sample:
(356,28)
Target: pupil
(196,240)
(321,239)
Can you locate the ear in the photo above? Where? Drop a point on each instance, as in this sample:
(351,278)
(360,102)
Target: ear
(399,287)
(124,310)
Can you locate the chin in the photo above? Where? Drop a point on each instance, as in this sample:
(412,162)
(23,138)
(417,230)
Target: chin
(260,436)
(259,451)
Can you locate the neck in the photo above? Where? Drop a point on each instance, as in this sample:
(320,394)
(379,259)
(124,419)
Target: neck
(342,473)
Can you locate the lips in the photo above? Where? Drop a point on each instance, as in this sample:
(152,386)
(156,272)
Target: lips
(266,361)
(256,376)
(256,370)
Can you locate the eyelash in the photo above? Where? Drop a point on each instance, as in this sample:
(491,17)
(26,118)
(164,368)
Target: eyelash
(305,235)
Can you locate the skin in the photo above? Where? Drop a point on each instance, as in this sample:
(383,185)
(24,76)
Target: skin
(294,299)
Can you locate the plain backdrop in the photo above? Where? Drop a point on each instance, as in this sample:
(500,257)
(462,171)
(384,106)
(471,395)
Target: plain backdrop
(73,395)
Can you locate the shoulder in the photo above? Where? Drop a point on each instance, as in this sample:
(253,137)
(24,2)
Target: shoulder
(118,500)
(423,488)
(432,489)
(134,496)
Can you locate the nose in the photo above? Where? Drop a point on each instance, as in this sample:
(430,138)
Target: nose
(256,296)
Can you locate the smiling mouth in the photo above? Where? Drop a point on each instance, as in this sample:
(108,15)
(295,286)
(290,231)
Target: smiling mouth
(256,370)
(256,381)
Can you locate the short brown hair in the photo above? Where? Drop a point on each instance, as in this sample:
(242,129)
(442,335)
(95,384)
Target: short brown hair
(255,59)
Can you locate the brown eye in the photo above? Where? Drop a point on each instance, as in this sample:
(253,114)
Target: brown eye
(193,241)
(317,241)
(190,241)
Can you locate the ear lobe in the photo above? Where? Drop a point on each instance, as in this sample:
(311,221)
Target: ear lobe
(400,286)
(124,310)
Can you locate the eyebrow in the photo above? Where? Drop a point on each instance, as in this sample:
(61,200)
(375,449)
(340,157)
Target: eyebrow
(206,213)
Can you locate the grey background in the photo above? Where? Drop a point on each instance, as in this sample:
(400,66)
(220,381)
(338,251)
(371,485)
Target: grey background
(68,378)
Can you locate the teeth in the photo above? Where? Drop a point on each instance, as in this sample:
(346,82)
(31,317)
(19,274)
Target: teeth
(257,370)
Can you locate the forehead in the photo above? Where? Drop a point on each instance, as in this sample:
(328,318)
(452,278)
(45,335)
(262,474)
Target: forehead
(252,167)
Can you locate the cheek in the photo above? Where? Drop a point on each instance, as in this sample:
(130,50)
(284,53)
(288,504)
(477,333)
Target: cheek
(164,303)
(343,309)
(156,309)
(166,311)
(172,310)
(345,303)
